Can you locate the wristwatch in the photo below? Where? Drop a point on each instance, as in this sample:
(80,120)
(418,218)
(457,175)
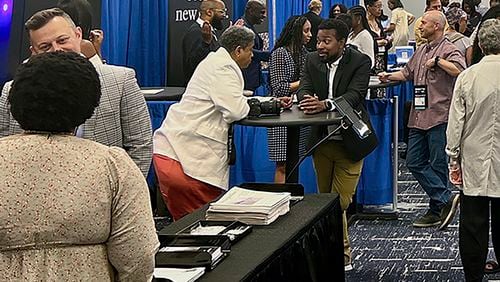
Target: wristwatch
(436,61)
(329,105)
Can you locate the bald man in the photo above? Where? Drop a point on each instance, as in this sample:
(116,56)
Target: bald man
(430,5)
(433,70)
(255,13)
(200,39)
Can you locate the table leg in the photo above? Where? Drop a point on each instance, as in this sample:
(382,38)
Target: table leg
(292,154)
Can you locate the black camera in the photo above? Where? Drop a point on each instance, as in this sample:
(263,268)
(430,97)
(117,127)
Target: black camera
(264,108)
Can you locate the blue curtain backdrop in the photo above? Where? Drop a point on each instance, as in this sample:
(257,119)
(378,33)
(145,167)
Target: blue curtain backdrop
(280,10)
(135,35)
(238,9)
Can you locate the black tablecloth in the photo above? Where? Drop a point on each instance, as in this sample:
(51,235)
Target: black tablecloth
(304,245)
(165,94)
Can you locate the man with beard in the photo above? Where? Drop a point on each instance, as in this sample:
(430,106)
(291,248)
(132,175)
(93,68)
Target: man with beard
(337,70)
(200,38)
(433,69)
(255,13)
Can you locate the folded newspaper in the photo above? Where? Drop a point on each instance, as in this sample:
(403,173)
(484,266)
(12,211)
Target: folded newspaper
(249,206)
(179,274)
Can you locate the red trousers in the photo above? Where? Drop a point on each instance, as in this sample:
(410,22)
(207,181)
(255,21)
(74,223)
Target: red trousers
(181,193)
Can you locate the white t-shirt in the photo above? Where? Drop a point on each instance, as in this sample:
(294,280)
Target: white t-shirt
(365,43)
(401,33)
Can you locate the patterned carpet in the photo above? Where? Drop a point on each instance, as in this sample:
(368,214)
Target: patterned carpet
(392,250)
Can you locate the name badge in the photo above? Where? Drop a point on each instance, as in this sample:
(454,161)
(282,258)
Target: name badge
(420,97)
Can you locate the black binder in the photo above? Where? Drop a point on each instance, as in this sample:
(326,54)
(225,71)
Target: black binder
(187,251)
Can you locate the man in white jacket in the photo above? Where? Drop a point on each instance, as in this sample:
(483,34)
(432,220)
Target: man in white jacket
(190,148)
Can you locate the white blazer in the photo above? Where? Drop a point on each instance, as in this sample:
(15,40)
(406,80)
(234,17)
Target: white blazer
(195,130)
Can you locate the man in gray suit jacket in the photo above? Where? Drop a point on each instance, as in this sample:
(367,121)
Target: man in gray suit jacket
(121,119)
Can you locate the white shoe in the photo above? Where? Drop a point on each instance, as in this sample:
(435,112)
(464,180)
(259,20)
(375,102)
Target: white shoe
(348,267)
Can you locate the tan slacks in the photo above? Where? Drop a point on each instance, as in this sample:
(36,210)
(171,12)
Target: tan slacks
(337,173)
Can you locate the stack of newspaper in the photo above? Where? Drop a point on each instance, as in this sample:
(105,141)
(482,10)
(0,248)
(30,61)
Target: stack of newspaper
(179,274)
(250,207)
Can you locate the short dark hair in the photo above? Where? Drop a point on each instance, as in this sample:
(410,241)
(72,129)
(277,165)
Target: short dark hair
(54,92)
(429,2)
(372,2)
(341,29)
(398,4)
(80,12)
(41,18)
(342,7)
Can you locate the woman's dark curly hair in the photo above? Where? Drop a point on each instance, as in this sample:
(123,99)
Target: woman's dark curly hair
(291,37)
(342,7)
(54,92)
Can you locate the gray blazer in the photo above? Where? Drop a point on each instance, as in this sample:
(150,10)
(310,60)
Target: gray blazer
(121,119)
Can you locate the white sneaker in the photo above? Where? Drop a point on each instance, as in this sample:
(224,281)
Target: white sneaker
(348,267)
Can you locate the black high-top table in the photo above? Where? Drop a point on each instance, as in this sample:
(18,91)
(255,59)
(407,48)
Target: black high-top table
(293,119)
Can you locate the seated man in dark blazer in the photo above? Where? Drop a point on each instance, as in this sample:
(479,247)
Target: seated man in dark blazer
(332,71)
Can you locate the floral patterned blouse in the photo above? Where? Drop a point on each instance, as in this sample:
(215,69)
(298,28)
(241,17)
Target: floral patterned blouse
(72,209)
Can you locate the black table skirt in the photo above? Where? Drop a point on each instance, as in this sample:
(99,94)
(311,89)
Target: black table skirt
(304,245)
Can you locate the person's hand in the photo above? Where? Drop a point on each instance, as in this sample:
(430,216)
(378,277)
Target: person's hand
(383,76)
(286,102)
(96,37)
(206,33)
(88,49)
(455,173)
(430,64)
(312,105)
(239,22)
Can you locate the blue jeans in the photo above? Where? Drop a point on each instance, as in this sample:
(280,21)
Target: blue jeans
(427,161)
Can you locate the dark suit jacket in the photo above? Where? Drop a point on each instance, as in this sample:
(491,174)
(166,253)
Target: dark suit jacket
(194,50)
(315,20)
(350,81)
(252,73)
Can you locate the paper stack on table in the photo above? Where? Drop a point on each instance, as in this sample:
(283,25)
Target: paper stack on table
(179,274)
(249,206)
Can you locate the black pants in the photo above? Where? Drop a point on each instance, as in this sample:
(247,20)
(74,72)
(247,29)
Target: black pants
(474,227)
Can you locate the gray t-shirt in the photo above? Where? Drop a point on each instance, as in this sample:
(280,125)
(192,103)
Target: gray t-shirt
(461,41)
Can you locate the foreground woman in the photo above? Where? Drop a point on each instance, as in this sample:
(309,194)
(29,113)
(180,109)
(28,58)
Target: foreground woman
(70,208)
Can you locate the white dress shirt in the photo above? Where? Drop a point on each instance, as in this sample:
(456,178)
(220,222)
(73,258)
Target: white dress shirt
(332,69)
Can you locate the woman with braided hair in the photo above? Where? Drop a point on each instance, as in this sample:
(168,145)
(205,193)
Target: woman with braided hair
(360,34)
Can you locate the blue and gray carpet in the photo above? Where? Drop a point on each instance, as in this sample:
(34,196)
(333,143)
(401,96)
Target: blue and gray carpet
(393,250)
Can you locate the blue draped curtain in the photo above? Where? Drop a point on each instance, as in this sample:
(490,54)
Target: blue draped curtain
(135,35)
(238,9)
(279,11)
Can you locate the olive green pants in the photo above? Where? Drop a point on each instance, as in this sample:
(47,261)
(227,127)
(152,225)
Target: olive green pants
(337,173)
